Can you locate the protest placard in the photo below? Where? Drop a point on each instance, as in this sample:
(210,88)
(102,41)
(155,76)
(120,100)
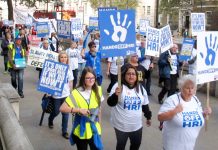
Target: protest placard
(19,16)
(37,56)
(64,29)
(207,57)
(53,78)
(143,23)
(76,28)
(152,41)
(93,23)
(186,50)
(166,41)
(117,28)
(42,29)
(197,23)
(34,40)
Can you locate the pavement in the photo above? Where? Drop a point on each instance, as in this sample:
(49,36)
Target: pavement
(43,138)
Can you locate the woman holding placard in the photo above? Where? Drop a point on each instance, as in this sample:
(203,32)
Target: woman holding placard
(58,100)
(182,116)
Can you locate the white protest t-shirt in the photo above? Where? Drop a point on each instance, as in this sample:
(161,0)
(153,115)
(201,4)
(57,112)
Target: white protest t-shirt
(126,116)
(74,57)
(113,67)
(181,132)
(66,89)
(86,94)
(80,59)
(146,63)
(174,64)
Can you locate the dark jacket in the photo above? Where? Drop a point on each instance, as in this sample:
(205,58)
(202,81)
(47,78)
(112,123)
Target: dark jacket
(164,65)
(4,46)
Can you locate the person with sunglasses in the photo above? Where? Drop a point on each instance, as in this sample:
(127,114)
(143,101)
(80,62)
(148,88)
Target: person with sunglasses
(85,103)
(93,60)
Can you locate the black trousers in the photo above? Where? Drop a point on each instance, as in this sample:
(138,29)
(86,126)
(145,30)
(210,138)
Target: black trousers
(170,86)
(122,137)
(113,81)
(82,144)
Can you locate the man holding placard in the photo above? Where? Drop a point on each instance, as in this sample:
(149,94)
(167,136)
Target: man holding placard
(16,64)
(168,64)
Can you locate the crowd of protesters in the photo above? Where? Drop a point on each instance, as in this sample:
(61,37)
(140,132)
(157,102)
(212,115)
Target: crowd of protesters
(128,102)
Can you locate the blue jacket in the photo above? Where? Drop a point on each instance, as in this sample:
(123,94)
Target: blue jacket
(164,65)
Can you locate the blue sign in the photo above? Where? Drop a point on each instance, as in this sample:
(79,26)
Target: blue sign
(53,77)
(42,29)
(143,23)
(117,30)
(64,29)
(93,23)
(186,50)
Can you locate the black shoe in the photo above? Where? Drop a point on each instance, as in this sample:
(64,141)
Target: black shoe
(160,101)
(50,125)
(21,95)
(65,135)
(149,94)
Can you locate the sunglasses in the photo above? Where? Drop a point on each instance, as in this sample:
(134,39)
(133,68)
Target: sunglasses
(93,46)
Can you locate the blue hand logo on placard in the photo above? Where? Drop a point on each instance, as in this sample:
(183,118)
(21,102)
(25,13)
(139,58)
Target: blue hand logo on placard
(120,30)
(211,50)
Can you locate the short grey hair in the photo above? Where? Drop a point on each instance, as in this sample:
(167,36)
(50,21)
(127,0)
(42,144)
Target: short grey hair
(183,80)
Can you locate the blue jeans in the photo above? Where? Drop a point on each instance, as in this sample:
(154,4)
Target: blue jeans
(14,74)
(55,112)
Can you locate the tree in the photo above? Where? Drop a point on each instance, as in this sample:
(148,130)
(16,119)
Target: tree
(120,4)
(10,10)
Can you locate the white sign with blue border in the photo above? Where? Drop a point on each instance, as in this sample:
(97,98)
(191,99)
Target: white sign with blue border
(42,29)
(197,23)
(93,23)
(207,57)
(64,29)
(143,23)
(117,30)
(152,42)
(166,40)
(186,50)
(53,78)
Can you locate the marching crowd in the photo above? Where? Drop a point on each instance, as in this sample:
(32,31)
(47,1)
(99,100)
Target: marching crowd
(181,115)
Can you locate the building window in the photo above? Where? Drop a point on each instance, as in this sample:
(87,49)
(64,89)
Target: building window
(143,9)
(148,10)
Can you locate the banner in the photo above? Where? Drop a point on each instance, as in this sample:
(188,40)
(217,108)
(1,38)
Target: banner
(143,23)
(93,23)
(37,57)
(64,29)
(53,77)
(76,28)
(152,42)
(117,30)
(166,41)
(197,23)
(8,22)
(207,57)
(42,29)
(186,50)
(19,16)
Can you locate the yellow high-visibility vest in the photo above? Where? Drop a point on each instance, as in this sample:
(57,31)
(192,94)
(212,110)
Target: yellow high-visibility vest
(12,47)
(81,103)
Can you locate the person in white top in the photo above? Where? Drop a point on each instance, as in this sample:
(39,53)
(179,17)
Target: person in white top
(81,61)
(58,100)
(74,55)
(182,116)
(112,70)
(126,113)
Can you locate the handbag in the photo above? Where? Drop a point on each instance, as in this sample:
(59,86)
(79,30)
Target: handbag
(47,104)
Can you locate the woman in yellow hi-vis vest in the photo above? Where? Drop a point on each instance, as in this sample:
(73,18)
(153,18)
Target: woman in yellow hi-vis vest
(85,102)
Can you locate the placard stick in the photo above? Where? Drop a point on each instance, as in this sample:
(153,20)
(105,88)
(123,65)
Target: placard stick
(119,75)
(207,105)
